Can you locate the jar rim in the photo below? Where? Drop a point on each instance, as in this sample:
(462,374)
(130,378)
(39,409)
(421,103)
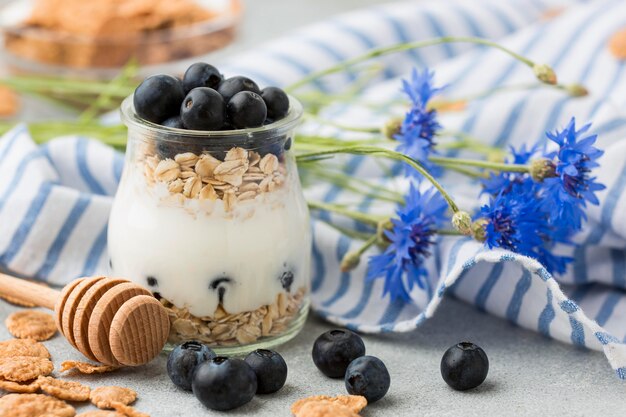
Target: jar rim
(169,134)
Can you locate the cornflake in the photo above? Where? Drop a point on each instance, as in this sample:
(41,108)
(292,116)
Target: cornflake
(29,405)
(24,368)
(64,390)
(31,324)
(86,367)
(104,397)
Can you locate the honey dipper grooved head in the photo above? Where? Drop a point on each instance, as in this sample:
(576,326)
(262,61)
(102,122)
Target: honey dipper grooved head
(112,320)
(139,330)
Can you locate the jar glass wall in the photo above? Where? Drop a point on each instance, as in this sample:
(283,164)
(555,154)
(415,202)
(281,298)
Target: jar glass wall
(216,226)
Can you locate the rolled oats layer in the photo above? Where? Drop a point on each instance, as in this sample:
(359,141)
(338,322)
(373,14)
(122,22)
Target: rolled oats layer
(225,329)
(240,177)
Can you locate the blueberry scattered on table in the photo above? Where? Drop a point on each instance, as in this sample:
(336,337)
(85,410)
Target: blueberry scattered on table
(158,98)
(201,74)
(152,282)
(270,369)
(205,100)
(464,366)
(367,376)
(183,360)
(224,383)
(334,350)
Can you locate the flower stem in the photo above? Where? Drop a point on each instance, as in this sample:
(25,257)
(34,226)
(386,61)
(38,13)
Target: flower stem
(466,142)
(354,215)
(449,232)
(377,151)
(352,234)
(357,185)
(465,171)
(494,166)
(377,52)
(341,126)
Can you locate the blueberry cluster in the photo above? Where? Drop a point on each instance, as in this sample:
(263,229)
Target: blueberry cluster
(341,354)
(205,100)
(222,383)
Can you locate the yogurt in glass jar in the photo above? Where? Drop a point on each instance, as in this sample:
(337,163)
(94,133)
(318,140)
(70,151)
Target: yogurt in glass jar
(216,226)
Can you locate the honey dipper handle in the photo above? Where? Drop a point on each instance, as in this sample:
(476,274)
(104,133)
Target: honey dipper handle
(22,290)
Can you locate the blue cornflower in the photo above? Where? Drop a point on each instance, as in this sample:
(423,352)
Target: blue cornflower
(569,191)
(420,124)
(518,222)
(505,182)
(411,236)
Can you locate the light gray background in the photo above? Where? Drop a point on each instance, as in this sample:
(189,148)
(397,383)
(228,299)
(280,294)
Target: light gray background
(529,374)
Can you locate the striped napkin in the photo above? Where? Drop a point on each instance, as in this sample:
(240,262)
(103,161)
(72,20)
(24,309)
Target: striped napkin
(55,198)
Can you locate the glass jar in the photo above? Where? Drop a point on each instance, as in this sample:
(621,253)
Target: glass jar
(216,226)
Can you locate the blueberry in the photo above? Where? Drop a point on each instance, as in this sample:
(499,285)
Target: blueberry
(183,360)
(158,97)
(201,74)
(202,109)
(174,122)
(223,384)
(367,376)
(231,86)
(334,350)
(287,144)
(286,280)
(270,369)
(464,366)
(152,282)
(219,285)
(246,109)
(277,102)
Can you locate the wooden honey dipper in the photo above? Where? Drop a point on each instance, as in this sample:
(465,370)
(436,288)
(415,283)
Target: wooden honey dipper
(109,320)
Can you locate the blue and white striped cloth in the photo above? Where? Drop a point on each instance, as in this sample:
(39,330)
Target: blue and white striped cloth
(55,199)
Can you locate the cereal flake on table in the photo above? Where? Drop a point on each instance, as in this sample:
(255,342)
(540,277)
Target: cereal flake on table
(86,367)
(31,324)
(24,368)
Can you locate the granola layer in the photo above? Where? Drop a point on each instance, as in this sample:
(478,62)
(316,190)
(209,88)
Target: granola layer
(225,329)
(241,176)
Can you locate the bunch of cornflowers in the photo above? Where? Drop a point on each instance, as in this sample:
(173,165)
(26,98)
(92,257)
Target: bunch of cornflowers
(536,199)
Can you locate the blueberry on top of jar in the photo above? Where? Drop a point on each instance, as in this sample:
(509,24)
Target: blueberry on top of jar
(158,97)
(201,74)
(205,100)
(277,102)
(246,109)
(174,122)
(233,85)
(203,109)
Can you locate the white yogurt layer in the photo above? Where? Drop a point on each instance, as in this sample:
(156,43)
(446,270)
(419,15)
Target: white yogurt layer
(191,249)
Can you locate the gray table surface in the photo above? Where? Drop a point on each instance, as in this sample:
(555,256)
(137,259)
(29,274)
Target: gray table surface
(529,374)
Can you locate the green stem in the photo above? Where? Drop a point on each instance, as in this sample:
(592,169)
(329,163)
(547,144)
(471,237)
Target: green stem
(366,189)
(354,215)
(495,166)
(377,151)
(467,142)
(367,244)
(341,126)
(377,52)
(449,232)
(465,171)
(352,234)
